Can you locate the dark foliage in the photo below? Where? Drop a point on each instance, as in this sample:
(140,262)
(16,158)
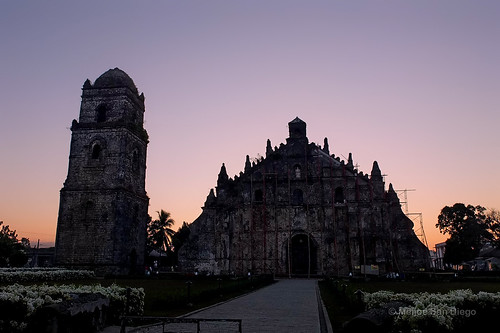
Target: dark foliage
(13,252)
(469,228)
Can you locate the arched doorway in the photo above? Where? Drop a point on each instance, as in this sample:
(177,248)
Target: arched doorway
(303,255)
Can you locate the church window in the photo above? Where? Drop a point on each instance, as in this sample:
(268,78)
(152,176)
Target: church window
(101,113)
(258,196)
(339,195)
(96,151)
(297,197)
(297,170)
(89,205)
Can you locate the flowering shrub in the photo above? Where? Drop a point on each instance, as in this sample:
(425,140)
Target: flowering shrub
(10,275)
(18,303)
(428,312)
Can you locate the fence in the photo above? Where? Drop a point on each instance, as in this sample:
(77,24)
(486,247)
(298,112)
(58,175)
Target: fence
(168,324)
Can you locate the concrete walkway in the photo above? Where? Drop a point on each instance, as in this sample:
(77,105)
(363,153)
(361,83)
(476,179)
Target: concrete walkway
(286,306)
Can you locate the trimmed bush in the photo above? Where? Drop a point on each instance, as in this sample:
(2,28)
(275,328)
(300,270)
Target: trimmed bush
(19,303)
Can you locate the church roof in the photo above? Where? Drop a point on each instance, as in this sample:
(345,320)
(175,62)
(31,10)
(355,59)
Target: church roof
(115,78)
(297,120)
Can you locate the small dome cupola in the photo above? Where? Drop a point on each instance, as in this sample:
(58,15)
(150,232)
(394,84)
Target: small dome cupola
(115,78)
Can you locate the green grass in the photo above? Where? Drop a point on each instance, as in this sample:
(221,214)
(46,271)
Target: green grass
(168,297)
(341,306)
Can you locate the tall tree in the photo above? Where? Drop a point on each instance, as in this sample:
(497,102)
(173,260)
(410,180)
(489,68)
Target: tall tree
(469,229)
(493,217)
(160,231)
(13,252)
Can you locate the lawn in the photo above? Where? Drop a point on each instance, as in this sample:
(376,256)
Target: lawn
(169,296)
(164,295)
(174,295)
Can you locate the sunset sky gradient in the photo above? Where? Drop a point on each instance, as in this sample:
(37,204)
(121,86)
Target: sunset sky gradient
(414,85)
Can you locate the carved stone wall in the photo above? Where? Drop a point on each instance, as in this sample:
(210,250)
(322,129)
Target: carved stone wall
(301,210)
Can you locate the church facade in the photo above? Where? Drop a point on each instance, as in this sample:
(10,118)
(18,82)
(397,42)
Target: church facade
(103,209)
(302,211)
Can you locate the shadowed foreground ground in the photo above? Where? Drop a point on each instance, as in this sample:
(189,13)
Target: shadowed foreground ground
(286,306)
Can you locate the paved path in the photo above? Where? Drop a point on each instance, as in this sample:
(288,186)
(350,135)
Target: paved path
(285,306)
(291,306)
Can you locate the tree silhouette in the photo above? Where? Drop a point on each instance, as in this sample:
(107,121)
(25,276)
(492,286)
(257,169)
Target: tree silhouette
(160,232)
(469,229)
(493,218)
(12,251)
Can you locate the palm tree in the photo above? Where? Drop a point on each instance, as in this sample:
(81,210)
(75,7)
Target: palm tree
(160,232)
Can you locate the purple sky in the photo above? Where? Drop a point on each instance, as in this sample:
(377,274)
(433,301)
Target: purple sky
(412,84)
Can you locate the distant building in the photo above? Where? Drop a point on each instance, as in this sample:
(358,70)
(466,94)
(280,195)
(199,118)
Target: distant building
(439,257)
(488,259)
(302,211)
(103,208)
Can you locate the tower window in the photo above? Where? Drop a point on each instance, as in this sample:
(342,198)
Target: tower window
(96,151)
(259,196)
(135,161)
(339,195)
(88,212)
(101,113)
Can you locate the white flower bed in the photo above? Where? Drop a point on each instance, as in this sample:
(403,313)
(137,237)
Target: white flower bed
(445,310)
(11,275)
(18,303)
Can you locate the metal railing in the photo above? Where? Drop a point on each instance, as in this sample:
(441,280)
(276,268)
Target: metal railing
(165,321)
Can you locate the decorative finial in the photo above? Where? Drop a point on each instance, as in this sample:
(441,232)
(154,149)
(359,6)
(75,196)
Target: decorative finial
(349,160)
(248,165)
(376,173)
(211,199)
(269,148)
(326,148)
(222,175)
(87,84)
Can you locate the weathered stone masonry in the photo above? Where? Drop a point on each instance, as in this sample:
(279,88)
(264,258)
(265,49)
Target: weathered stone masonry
(301,210)
(103,204)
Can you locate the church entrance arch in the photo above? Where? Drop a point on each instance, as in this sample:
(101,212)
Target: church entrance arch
(303,255)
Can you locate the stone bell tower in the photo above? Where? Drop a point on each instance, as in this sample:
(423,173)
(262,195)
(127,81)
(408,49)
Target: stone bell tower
(103,208)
